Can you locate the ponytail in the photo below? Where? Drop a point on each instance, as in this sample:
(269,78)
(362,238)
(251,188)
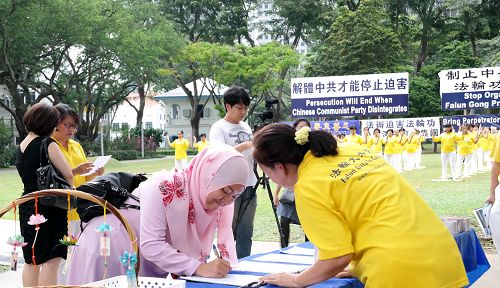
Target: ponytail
(275,143)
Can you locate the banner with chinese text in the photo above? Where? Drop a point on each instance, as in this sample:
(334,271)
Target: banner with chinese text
(425,125)
(470,88)
(334,126)
(354,95)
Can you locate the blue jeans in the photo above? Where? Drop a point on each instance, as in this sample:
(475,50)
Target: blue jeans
(243,218)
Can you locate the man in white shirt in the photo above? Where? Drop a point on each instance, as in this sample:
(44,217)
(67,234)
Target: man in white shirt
(233,131)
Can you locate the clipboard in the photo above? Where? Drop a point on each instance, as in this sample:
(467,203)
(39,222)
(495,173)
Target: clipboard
(483,218)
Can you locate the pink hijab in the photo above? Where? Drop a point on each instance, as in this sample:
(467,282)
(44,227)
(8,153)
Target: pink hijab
(192,228)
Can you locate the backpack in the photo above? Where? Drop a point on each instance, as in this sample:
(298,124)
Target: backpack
(114,187)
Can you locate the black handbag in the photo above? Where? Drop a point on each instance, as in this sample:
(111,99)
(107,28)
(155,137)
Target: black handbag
(114,187)
(287,197)
(48,177)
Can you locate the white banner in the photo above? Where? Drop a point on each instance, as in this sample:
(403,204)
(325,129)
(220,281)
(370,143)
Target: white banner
(470,88)
(353,95)
(425,125)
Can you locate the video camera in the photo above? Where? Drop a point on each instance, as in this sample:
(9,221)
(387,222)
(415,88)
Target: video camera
(268,114)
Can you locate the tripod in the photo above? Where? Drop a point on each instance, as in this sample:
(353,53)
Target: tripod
(264,181)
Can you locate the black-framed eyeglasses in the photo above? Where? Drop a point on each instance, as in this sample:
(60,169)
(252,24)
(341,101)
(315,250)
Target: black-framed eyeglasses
(69,126)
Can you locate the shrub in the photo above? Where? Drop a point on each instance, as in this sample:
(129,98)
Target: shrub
(124,154)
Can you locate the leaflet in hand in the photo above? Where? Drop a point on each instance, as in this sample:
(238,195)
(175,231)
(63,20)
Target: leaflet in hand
(98,163)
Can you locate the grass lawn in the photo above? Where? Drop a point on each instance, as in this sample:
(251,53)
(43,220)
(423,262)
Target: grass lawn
(445,198)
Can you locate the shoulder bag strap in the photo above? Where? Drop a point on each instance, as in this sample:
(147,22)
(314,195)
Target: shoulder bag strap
(44,150)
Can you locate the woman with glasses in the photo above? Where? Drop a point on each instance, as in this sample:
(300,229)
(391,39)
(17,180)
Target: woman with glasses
(73,152)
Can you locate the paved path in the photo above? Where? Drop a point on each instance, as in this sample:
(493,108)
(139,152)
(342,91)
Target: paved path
(14,279)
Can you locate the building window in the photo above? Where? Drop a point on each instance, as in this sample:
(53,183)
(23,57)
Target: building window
(176,111)
(149,125)
(116,126)
(125,126)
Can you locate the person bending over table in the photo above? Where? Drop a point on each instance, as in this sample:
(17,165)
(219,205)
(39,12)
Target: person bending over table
(357,209)
(180,213)
(494,196)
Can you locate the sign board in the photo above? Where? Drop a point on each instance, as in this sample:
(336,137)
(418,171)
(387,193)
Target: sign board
(426,125)
(334,126)
(470,88)
(482,120)
(354,95)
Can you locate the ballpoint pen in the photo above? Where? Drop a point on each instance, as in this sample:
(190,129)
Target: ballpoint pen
(216,251)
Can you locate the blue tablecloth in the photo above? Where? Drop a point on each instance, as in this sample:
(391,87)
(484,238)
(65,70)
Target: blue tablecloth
(475,263)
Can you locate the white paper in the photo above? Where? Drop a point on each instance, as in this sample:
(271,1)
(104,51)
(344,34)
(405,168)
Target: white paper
(298,251)
(266,268)
(231,279)
(286,258)
(98,163)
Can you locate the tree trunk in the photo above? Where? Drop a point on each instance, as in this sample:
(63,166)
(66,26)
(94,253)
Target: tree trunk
(474,45)
(142,103)
(423,50)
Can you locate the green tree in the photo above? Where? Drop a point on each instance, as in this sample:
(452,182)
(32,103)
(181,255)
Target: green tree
(361,42)
(425,99)
(224,21)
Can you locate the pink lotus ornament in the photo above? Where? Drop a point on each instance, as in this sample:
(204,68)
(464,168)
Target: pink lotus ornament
(16,241)
(37,219)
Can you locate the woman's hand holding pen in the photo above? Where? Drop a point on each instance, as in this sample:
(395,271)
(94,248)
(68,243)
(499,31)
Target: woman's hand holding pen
(217,268)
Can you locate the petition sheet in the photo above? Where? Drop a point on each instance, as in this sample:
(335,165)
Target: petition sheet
(98,163)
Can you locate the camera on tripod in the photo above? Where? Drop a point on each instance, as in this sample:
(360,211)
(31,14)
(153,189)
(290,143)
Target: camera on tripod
(268,114)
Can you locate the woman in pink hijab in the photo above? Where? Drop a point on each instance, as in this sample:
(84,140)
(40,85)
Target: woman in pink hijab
(181,211)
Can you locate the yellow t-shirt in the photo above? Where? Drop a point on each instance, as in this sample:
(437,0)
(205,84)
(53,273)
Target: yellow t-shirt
(180,148)
(466,144)
(355,203)
(377,144)
(200,145)
(353,139)
(369,142)
(75,156)
(495,151)
(411,146)
(491,141)
(399,142)
(448,141)
(483,142)
(390,145)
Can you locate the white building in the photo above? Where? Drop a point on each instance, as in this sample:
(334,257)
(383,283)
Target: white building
(126,116)
(178,109)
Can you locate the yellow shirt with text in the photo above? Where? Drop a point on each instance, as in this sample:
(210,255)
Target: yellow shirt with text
(355,203)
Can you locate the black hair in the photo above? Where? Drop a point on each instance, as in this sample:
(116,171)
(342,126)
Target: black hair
(446,125)
(236,95)
(275,143)
(390,131)
(41,119)
(203,134)
(353,127)
(66,110)
(376,129)
(180,131)
(301,120)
